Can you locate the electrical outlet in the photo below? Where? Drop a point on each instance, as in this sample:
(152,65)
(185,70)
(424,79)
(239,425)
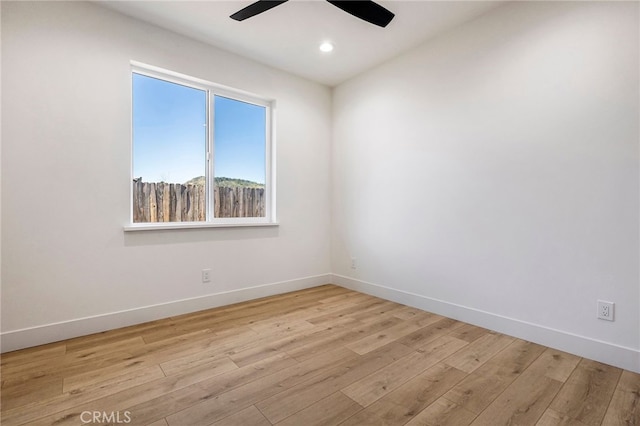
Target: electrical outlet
(605,310)
(353,263)
(206,275)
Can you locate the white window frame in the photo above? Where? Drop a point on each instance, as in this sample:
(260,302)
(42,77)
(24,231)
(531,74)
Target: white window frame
(212,90)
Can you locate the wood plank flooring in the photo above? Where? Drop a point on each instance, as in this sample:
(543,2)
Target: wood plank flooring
(322,356)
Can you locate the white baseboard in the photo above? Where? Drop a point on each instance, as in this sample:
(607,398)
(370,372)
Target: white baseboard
(34,336)
(619,356)
(608,353)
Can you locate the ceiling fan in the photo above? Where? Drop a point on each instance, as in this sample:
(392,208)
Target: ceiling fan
(364,9)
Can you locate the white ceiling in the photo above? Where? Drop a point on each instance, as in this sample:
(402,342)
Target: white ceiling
(287,37)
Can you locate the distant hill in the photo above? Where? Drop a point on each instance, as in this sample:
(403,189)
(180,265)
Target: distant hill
(226,182)
(195,181)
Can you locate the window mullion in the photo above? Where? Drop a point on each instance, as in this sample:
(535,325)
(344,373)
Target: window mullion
(209,181)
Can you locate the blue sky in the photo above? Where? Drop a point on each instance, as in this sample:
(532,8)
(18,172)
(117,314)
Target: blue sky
(169,134)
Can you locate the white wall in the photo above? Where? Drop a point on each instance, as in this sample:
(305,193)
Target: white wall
(492,175)
(66,179)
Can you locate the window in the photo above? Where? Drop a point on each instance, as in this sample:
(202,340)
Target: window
(201,153)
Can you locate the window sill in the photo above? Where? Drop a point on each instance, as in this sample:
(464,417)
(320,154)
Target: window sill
(197,225)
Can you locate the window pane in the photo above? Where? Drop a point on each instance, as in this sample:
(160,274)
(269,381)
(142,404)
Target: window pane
(240,141)
(169,151)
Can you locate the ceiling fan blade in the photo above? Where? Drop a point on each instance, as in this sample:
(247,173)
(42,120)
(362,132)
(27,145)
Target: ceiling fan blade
(367,10)
(255,9)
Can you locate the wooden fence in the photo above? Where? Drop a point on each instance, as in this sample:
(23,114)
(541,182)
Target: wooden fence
(174,202)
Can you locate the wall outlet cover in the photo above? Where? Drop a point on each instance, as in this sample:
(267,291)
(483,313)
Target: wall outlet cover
(606,310)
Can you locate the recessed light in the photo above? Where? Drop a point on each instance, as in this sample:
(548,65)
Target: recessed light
(326,47)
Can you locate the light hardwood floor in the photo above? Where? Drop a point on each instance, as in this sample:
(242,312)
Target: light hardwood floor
(322,356)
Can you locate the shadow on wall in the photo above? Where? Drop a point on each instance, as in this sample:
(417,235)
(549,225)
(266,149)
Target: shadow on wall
(197,235)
